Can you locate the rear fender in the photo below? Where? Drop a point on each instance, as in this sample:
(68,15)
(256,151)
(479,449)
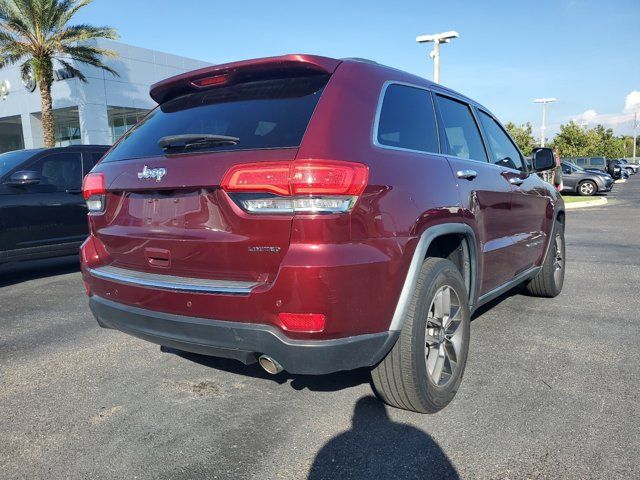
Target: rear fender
(418,258)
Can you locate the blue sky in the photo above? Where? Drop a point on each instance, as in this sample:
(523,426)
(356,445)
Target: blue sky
(585,53)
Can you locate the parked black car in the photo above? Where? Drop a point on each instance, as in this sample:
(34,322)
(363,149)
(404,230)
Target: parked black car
(578,180)
(42,211)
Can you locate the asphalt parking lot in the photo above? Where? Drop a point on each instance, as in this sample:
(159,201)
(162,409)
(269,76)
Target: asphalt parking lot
(551,388)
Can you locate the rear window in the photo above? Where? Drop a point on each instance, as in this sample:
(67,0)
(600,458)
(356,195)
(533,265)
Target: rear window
(271,113)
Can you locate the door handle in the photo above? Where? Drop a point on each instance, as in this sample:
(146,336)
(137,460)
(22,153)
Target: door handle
(467,174)
(516,181)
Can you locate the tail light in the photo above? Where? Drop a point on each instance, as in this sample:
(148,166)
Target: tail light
(93,191)
(309,186)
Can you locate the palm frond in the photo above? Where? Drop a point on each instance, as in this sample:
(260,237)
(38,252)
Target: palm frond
(76,73)
(68,9)
(25,70)
(89,55)
(7,59)
(79,33)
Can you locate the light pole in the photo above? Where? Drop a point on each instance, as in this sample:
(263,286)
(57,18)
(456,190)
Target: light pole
(635,130)
(543,127)
(437,39)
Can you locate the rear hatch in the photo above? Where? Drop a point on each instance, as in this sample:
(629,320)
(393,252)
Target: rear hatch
(164,210)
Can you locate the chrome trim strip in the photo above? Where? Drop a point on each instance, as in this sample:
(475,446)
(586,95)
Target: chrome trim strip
(171,282)
(416,264)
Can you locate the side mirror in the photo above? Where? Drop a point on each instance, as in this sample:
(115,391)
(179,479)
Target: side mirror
(543,159)
(24,177)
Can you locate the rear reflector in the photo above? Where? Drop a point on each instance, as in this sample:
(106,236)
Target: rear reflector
(93,190)
(308,177)
(302,322)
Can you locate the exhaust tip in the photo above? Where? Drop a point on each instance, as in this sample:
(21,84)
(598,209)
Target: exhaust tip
(269,364)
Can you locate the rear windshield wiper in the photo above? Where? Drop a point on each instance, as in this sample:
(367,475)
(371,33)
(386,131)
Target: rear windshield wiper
(195,140)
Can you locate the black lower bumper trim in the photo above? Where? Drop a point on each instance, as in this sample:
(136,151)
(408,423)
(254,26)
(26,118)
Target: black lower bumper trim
(244,341)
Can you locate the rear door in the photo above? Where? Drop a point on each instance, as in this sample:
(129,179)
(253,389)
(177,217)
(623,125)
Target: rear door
(165,210)
(530,198)
(52,212)
(485,193)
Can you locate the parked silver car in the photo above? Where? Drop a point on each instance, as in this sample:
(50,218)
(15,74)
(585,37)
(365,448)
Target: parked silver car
(578,180)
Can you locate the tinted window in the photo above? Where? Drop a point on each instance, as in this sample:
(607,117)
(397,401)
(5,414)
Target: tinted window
(271,113)
(91,158)
(461,135)
(581,161)
(566,169)
(11,160)
(597,161)
(502,150)
(407,119)
(62,171)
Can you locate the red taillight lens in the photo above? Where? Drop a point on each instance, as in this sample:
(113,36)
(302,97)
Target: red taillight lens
(210,81)
(302,322)
(93,184)
(272,177)
(325,177)
(308,177)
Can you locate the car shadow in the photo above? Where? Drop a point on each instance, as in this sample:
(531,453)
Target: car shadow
(318,383)
(377,447)
(18,272)
(519,290)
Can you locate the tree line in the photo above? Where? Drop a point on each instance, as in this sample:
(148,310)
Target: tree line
(575,140)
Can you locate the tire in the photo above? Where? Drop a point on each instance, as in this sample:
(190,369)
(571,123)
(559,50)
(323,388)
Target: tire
(549,280)
(630,171)
(406,376)
(587,188)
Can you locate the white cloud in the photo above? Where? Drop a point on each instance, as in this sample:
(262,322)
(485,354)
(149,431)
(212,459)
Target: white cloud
(588,116)
(620,122)
(632,102)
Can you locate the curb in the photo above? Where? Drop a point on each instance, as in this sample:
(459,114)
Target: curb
(588,203)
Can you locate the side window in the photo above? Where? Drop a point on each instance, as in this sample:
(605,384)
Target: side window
(566,169)
(581,161)
(597,161)
(502,150)
(407,119)
(59,171)
(461,135)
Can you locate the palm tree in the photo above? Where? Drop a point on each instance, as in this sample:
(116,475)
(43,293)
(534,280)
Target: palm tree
(35,32)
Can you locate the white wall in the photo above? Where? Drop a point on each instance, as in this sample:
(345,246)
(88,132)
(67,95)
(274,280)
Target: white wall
(139,68)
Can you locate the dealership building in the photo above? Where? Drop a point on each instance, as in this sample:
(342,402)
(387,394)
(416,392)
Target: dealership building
(97,112)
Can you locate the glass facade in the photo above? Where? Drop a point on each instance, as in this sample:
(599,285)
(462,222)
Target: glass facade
(122,119)
(67,123)
(11,134)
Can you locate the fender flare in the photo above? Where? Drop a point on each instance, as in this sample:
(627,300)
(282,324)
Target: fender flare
(411,279)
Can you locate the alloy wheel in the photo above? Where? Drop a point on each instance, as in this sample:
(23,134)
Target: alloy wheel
(558,261)
(586,188)
(443,336)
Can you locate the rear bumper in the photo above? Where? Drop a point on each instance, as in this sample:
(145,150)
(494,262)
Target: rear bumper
(244,341)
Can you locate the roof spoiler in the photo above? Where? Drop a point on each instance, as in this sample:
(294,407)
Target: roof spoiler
(229,73)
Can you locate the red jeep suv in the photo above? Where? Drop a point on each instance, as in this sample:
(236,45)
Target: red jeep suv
(317,215)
